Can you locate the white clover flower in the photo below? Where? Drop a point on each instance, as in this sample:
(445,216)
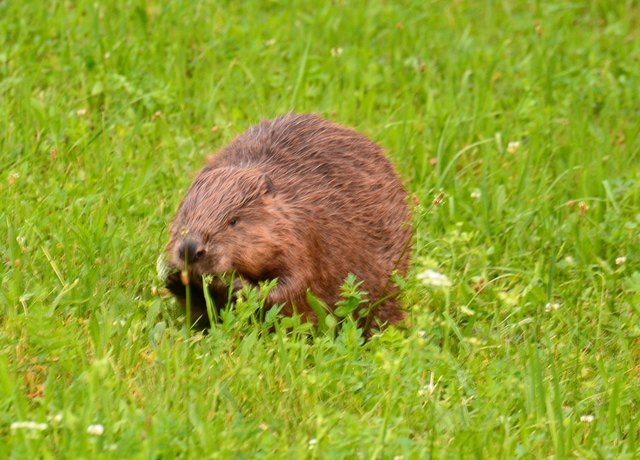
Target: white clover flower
(620,260)
(313,442)
(551,306)
(29,425)
(476,194)
(513,147)
(95,430)
(587,418)
(433,278)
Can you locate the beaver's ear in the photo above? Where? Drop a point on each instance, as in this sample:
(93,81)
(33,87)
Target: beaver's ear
(266,186)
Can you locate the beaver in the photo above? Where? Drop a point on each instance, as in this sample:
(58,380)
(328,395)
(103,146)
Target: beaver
(301,200)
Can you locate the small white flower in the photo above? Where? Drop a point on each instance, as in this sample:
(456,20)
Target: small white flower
(475,341)
(429,388)
(335,52)
(513,147)
(466,310)
(95,430)
(313,442)
(82,112)
(29,425)
(422,334)
(55,419)
(476,194)
(433,278)
(587,418)
(551,306)
(620,260)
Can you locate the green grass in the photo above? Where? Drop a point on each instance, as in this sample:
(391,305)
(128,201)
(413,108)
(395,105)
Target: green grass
(107,110)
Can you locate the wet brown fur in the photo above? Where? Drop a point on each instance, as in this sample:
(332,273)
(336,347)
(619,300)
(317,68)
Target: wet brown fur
(312,201)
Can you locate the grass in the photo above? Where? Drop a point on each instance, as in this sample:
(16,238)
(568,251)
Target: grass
(108,108)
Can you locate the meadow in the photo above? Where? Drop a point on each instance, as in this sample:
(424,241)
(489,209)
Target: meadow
(515,125)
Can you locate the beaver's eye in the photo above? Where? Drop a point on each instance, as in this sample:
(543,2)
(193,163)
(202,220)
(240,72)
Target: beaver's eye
(233,221)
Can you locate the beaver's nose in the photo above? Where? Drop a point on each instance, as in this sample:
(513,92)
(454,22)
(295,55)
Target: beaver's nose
(190,250)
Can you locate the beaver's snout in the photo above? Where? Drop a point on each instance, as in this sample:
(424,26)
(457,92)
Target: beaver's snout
(190,250)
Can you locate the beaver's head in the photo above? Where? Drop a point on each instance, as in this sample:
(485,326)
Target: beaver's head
(229,221)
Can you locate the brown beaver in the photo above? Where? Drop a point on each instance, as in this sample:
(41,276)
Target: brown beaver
(301,200)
